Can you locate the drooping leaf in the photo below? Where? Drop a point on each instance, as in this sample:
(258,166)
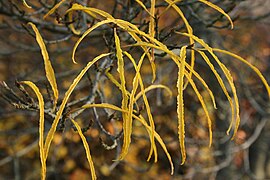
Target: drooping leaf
(41,126)
(141,119)
(180,103)
(158,138)
(218,9)
(189,31)
(47,63)
(256,70)
(147,106)
(220,81)
(127,120)
(87,149)
(151,33)
(177,60)
(52,130)
(143,6)
(230,80)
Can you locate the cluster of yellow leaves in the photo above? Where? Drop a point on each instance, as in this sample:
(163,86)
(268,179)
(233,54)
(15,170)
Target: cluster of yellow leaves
(129,99)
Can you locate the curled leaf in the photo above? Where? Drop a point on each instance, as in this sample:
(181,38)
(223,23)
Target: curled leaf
(91,11)
(26,5)
(71,25)
(85,34)
(151,87)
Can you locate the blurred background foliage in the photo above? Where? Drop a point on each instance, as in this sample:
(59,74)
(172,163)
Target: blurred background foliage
(247,157)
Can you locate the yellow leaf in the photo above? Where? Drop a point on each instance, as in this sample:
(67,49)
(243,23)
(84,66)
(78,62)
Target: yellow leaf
(143,6)
(127,121)
(180,103)
(230,80)
(85,34)
(53,9)
(71,25)
(87,149)
(41,126)
(141,119)
(26,5)
(152,34)
(64,102)
(158,138)
(189,30)
(151,87)
(147,106)
(91,11)
(104,105)
(220,81)
(256,70)
(218,9)
(47,63)
(177,60)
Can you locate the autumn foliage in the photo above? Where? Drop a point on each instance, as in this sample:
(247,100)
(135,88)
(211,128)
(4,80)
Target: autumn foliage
(131,79)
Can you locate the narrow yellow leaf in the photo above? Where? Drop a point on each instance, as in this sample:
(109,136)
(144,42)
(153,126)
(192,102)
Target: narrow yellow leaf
(176,59)
(158,138)
(52,130)
(230,80)
(85,34)
(141,119)
(53,9)
(169,6)
(47,63)
(147,106)
(112,79)
(180,103)
(104,105)
(143,6)
(189,30)
(151,87)
(256,70)
(151,32)
(71,25)
(41,126)
(91,11)
(127,120)
(26,5)
(87,149)
(220,81)
(218,9)
(209,121)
